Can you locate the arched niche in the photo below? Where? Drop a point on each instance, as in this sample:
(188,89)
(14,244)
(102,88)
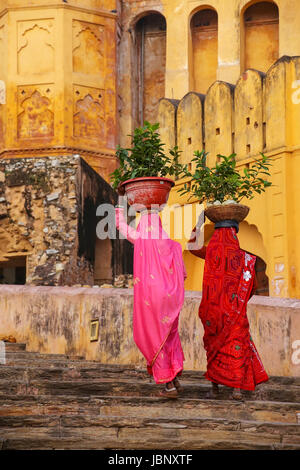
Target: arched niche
(204,54)
(260,35)
(149,64)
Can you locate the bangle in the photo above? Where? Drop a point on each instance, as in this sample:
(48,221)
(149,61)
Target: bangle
(118,206)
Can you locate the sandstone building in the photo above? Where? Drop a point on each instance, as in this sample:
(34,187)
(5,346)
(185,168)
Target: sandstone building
(78,76)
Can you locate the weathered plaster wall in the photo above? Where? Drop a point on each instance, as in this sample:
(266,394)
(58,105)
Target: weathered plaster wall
(57,320)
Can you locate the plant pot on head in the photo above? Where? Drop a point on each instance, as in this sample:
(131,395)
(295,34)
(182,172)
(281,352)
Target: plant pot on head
(146,192)
(227,215)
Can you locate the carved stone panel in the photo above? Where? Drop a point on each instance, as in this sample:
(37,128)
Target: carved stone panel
(35,112)
(89,113)
(35,53)
(88,48)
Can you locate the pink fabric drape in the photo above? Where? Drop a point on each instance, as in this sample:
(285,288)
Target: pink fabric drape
(159,274)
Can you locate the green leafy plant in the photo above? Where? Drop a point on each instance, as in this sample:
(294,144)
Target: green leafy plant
(224,182)
(146,157)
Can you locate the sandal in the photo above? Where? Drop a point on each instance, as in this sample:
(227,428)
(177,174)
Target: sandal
(169,393)
(177,385)
(236,394)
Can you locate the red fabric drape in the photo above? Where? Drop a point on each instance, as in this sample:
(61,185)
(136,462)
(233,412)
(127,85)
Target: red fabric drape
(232,358)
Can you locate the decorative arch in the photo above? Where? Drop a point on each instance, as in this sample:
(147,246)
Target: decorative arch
(203,25)
(142,15)
(259,34)
(244,4)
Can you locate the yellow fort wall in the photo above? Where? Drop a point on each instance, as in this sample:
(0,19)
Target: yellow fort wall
(228,47)
(261,113)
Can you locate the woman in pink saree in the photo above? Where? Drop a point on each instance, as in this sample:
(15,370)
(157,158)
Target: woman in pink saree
(159,275)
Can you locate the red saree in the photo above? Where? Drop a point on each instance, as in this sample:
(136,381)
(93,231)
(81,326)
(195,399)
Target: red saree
(232,358)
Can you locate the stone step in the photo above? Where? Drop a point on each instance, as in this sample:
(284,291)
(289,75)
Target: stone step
(54,401)
(14,356)
(46,442)
(127,387)
(197,408)
(84,371)
(91,369)
(15,347)
(117,432)
(22,405)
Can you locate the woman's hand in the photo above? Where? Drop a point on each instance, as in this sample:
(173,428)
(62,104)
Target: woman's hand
(196,242)
(121,202)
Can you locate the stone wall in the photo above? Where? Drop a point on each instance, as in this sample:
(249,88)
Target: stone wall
(57,320)
(48,217)
(260,113)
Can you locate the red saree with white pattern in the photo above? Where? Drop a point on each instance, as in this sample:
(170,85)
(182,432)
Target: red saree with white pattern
(232,358)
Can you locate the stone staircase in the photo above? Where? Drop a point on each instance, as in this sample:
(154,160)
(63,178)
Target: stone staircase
(50,401)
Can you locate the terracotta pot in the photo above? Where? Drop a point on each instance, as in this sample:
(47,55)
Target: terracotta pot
(146,191)
(221,212)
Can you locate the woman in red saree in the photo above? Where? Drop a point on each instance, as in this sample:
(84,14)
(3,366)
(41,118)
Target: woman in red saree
(158,298)
(228,281)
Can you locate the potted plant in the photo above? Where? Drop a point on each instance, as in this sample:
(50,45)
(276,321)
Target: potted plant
(144,167)
(223,186)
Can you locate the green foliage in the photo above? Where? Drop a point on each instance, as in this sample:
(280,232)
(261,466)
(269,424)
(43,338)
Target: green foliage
(224,181)
(146,157)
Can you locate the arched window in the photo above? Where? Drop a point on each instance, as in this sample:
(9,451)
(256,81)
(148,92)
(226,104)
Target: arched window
(204,33)
(261,36)
(151,64)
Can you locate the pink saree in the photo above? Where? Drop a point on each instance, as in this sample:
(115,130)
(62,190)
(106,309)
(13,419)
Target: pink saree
(159,274)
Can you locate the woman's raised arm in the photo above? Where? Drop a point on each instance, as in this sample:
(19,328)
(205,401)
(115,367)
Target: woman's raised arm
(129,232)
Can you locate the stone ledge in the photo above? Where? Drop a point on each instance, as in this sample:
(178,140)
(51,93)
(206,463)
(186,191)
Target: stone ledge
(256,300)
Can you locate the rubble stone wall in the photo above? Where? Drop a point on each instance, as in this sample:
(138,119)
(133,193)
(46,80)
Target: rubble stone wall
(48,215)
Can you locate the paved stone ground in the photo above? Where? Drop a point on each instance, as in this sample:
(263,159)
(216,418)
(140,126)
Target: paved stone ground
(50,401)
